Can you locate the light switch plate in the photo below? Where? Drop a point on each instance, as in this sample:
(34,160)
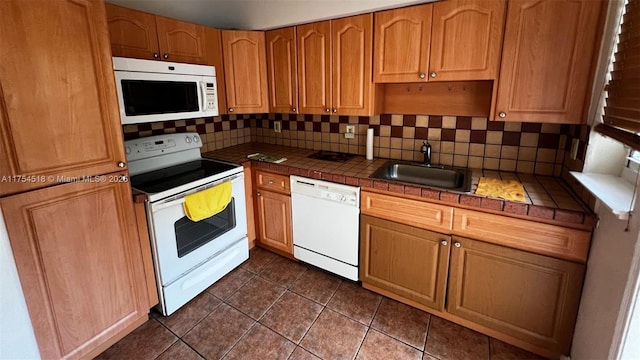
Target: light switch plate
(277,126)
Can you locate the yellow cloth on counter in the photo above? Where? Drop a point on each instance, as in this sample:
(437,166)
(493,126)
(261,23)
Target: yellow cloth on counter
(505,189)
(207,203)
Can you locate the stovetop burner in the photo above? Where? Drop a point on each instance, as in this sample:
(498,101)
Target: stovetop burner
(331,156)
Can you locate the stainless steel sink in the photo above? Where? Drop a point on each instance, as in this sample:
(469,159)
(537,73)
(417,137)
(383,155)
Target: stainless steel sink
(449,178)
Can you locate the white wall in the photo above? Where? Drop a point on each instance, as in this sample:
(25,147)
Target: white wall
(17,340)
(603,312)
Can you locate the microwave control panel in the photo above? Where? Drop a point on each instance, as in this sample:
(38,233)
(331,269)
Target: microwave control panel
(211,98)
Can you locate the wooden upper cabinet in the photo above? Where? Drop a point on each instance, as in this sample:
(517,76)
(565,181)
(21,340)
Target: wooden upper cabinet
(245,71)
(314,67)
(352,39)
(79,261)
(181,41)
(59,118)
(215,59)
(137,34)
(447,41)
(282,70)
(466,39)
(528,296)
(133,33)
(548,50)
(402,40)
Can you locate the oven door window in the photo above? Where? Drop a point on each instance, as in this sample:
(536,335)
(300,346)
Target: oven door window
(192,235)
(147,97)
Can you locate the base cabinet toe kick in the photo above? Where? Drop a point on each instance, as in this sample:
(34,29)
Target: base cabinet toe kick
(459,265)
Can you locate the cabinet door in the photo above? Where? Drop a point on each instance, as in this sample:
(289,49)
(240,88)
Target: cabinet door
(282,70)
(314,67)
(466,39)
(404,260)
(546,60)
(351,40)
(528,296)
(274,218)
(133,33)
(79,261)
(245,71)
(401,48)
(181,41)
(213,39)
(59,114)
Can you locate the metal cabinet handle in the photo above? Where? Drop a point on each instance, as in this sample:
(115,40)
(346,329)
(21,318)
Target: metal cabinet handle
(156,55)
(166,56)
(502,114)
(433,74)
(121,164)
(422,75)
(444,243)
(258,194)
(270,182)
(294,109)
(335,110)
(326,110)
(457,244)
(230,109)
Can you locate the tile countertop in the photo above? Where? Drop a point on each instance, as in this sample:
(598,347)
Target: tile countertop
(547,198)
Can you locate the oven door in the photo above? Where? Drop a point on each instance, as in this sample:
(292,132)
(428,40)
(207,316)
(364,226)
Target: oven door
(147,97)
(180,244)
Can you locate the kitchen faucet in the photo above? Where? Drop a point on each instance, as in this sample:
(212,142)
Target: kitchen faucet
(425,149)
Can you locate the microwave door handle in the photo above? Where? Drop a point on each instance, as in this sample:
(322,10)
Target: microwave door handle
(203,96)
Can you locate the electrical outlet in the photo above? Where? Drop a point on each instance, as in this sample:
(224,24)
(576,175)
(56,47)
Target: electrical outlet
(350,132)
(574,149)
(277,126)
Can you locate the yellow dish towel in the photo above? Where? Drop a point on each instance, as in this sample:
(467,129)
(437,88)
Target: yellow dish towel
(207,203)
(506,189)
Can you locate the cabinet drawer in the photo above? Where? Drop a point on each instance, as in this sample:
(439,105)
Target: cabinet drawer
(273,182)
(406,211)
(571,244)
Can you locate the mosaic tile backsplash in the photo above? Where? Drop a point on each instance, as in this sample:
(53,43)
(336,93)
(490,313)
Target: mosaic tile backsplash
(530,148)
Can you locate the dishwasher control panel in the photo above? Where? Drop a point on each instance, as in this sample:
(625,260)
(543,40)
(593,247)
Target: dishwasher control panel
(334,196)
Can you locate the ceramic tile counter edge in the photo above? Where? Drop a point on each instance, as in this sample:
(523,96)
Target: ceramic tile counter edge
(357,170)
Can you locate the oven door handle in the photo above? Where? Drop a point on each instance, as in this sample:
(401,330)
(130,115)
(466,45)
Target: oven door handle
(164,205)
(179,199)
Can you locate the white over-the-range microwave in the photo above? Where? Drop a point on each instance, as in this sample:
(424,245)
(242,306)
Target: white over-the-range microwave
(150,91)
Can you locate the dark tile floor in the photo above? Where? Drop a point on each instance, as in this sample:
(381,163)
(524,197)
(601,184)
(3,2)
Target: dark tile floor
(275,308)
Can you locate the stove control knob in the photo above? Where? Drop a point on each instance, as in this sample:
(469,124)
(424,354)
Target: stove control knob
(188,140)
(196,139)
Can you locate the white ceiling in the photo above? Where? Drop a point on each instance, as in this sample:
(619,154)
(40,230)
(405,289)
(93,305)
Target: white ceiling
(259,14)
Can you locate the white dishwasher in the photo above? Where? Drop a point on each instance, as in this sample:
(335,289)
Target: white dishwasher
(326,219)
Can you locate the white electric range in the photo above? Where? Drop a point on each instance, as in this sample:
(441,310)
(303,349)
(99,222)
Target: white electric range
(188,256)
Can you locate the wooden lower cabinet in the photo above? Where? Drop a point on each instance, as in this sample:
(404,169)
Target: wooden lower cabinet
(404,260)
(528,296)
(79,260)
(274,221)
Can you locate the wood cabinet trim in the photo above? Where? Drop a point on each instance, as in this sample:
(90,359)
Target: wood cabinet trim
(411,212)
(565,243)
(273,182)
